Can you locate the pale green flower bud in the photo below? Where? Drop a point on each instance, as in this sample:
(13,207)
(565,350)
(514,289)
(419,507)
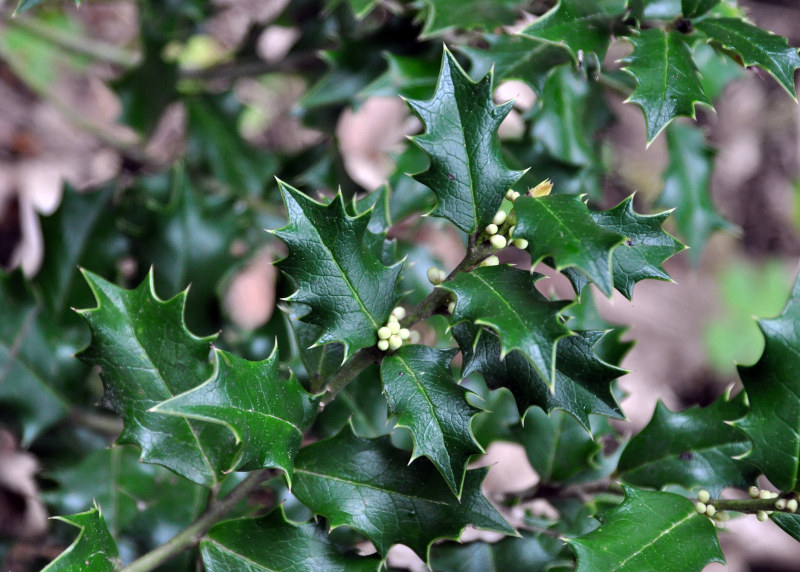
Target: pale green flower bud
(498,241)
(384,333)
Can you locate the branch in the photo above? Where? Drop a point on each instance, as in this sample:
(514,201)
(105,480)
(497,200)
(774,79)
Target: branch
(191,536)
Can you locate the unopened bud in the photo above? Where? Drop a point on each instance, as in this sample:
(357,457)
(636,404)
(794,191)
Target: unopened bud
(711,510)
(384,333)
(399,312)
(383,345)
(762,515)
(520,243)
(451,307)
(491,261)
(393,327)
(780,504)
(512,195)
(404,333)
(703,495)
(491,229)
(435,275)
(700,507)
(500,218)
(762,494)
(791,505)
(754,492)
(395,342)
(498,241)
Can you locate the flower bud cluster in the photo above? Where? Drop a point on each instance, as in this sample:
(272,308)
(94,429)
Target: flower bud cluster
(392,336)
(499,232)
(705,506)
(436,276)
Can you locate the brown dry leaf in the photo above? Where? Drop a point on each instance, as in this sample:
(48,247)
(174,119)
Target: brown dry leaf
(22,513)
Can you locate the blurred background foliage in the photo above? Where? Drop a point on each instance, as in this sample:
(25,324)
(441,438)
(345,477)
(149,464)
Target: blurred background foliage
(149,134)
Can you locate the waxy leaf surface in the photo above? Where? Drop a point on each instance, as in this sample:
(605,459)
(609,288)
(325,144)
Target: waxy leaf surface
(370,485)
(94,549)
(349,290)
(529,553)
(468,14)
(562,228)
(691,448)
(272,543)
(30,360)
(582,380)
(695,8)
(467,173)
(147,355)
(687,188)
(773,390)
(506,300)
(423,394)
(756,47)
(266,414)
(578,25)
(649,531)
(667,81)
(640,257)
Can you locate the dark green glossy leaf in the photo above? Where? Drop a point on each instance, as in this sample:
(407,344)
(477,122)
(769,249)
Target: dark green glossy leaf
(349,290)
(642,254)
(412,77)
(81,232)
(517,57)
(566,114)
(215,144)
(695,8)
(649,531)
(132,495)
(582,383)
(667,81)
(467,173)
(442,15)
(687,190)
(370,485)
(756,47)
(362,403)
(265,413)
(188,240)
(561,228)
(426,399)
(506,300)
(94,549)
(530,553)
(557,445)
(34,358)
(773,387)
(272,543)
(319,361)
(691,448)
(147,355)
(789,523)
(579,25)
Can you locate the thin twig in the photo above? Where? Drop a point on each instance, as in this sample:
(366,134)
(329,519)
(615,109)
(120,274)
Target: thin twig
(191,536)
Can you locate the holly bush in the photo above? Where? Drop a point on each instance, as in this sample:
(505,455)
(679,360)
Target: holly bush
(348,422)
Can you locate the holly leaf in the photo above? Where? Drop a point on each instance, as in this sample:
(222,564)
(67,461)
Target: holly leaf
(349,290)
(561,228)
(557,445)
(655,9)
(362,403)
(318,361)
(695,8)
(94,549)
(147,355)
(132,495)
(530,552)
(579,26)
(515,57)
(649,531)
(265,413)
(35,356)
(692,448)
(443,15)
(272,543)
(506,300)
(408,76)
(370,486)
(467,173)
(425,397)
(773,387)
(640,257)
(582,380)
(667,81)
(755,47)
(687,189)
(566,121)
(789,523)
